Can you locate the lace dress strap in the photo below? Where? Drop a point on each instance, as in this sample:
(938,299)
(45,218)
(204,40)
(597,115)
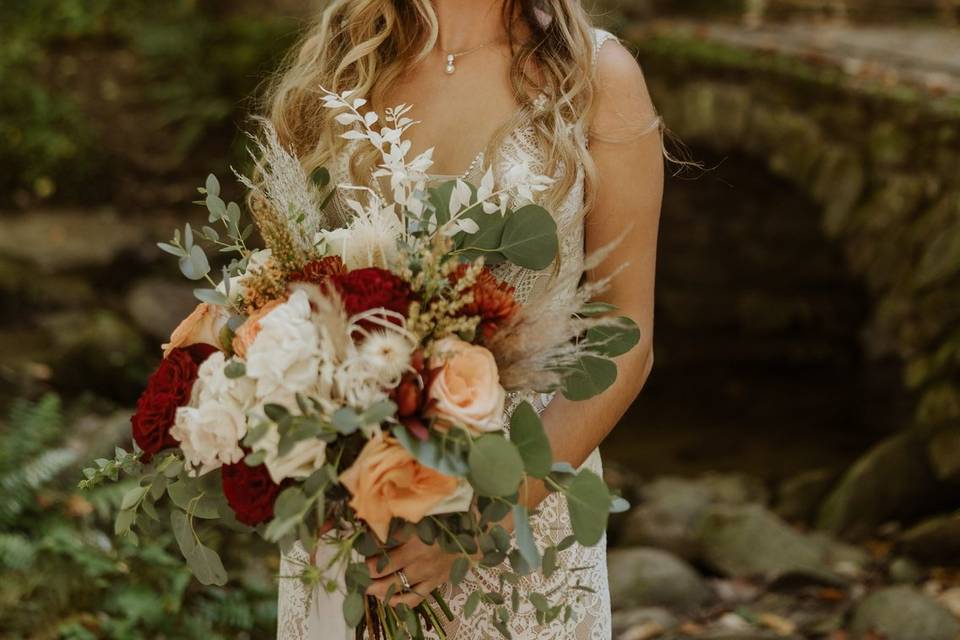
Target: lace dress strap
(600,38)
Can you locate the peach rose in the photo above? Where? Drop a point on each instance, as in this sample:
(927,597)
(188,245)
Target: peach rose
(202,326)
(247,332)
(465,389)
(386,481)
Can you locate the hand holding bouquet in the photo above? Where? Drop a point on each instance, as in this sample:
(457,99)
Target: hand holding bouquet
(347,386)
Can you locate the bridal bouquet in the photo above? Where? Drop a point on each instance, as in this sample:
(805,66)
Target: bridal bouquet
(346,385)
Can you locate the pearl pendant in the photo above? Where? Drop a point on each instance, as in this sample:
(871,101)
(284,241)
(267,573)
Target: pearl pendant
(451,67)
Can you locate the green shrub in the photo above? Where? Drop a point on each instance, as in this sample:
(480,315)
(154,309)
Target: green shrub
(63,576)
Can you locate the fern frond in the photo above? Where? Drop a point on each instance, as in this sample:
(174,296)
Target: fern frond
(18,486)
(17,552)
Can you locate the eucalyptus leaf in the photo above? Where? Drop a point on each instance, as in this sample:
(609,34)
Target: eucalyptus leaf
(189,495)
(530,238)
(618,505)
(496,467)
(213,185)
(459,570)
(588,501)
(470,607)
(591,376)
(123,522)
(526,432)
(195,265)
(211,296)
(614,340)
(524,536)
(235,369)
(171,249)
(132,497)
(353,610)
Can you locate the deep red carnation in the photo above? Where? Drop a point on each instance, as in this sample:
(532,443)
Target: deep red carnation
(372,288)
(250,492)
(168,387)
(317,271)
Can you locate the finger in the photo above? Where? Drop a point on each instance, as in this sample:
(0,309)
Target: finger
(403,556)
(411,598)
(379,588)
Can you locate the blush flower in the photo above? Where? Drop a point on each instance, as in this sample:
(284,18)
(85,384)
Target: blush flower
(465,387)
(202,326)
(386,481)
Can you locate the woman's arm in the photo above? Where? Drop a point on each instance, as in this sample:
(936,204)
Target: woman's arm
(629,160)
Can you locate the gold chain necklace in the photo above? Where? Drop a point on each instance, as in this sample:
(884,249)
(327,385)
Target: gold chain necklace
(451,67)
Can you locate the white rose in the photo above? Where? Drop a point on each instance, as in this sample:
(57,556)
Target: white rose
(303,459)
(466,390)
(209,435)
(285,356)
(215,386)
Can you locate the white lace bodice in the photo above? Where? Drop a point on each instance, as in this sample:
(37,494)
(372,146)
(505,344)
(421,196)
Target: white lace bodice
(551,524)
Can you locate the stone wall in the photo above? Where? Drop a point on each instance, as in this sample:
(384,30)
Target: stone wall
(882,165)
(884,168)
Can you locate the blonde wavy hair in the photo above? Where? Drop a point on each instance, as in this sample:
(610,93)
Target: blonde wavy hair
(366,45)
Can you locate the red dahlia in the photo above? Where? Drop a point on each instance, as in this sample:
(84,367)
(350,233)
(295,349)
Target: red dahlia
(372,288)
(317,271)
(168,387)
(250,492)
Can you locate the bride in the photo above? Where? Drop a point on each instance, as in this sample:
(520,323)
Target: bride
(523,86)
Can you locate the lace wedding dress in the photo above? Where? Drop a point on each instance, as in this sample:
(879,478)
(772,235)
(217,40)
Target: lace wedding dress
(301,614)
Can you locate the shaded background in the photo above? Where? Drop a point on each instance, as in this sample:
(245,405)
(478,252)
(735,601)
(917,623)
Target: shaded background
(794,462)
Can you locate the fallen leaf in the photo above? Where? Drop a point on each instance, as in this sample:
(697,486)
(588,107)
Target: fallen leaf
(780,625)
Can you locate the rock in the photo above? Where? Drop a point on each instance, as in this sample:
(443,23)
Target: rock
(643,577)
(749,540)
(800,496)
(903,613)
(157,306)
(904,570)
(671,508)
(951,600)
(893,480)
(68,240)
(627,622)
(944,450)
(96,351)
(936,539)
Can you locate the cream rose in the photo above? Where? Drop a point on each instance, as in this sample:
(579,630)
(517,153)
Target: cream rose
(202,326)
(210,435)
(386,481)
(466,388)
(303,459)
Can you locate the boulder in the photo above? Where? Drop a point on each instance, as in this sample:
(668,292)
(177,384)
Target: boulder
(902,613)
(157,306)
(69,240)
(630,623)
(944,450)
(643,577)
(799,496)
(750,540)
(671,508)
(936,539)
(891,481)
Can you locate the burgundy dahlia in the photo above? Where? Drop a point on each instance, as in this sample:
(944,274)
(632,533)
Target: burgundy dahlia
(372,288)
(168,387)
(250,492)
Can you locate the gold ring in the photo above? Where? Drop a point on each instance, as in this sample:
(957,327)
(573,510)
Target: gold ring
(404,580)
